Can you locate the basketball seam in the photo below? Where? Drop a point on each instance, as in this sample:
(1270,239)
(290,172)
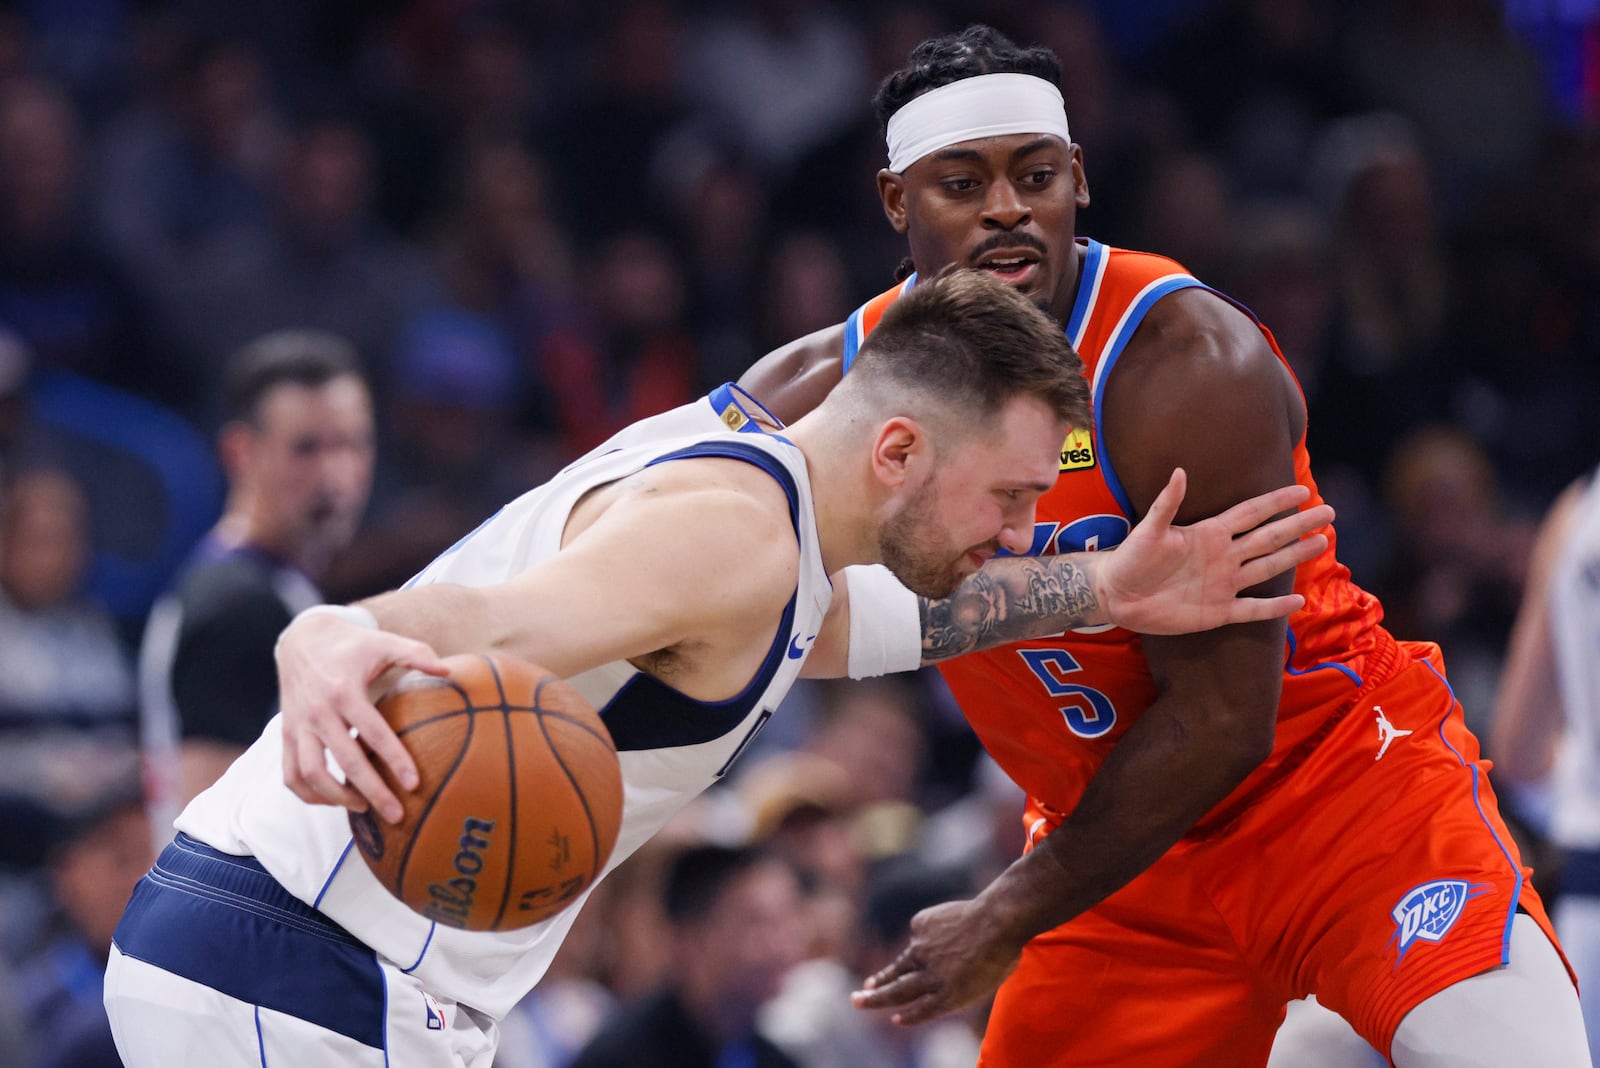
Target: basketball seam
(511,768)
(577,788)
(601,735)
(433,799)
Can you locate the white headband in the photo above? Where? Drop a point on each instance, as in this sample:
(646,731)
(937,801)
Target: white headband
(988,105)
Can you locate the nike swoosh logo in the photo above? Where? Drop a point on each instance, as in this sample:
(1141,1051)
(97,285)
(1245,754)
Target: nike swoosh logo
(796,651)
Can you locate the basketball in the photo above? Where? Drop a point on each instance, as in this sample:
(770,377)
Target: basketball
(518,801)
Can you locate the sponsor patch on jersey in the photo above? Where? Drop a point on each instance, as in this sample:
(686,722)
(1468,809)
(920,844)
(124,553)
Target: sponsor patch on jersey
(733,418)
(1077,452)
(1428,912)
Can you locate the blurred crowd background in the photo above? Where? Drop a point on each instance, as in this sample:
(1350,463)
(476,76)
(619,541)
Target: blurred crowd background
(538,221)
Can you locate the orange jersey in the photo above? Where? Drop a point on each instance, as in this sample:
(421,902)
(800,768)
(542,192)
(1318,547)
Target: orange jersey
(1050,710)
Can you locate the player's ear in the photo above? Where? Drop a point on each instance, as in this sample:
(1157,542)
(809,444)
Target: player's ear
(1080,181)
(892,191)
(900,447)
(233,446)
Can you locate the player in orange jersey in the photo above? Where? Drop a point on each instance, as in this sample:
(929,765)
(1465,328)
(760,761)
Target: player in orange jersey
(1222,822)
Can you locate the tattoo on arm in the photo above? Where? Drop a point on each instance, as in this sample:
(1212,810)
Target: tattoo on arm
(1007,601)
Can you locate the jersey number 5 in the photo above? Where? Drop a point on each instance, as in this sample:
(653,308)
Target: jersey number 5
(1088,712)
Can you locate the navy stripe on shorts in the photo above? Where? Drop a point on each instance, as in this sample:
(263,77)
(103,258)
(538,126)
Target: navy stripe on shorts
(223,922)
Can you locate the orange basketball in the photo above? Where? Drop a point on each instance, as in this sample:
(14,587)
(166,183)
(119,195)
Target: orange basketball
(518,802)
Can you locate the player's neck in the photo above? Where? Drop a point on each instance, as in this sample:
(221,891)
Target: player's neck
(842,500)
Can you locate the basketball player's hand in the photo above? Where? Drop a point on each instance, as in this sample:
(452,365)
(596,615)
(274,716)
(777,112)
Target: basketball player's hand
(1166,579)
(328,673)
(956,956)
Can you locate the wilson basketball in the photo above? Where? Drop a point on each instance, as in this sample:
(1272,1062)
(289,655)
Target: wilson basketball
(518,801)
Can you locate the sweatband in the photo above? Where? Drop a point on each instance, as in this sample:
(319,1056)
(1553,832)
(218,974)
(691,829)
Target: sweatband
(989,105)
(350,613)
(885,623)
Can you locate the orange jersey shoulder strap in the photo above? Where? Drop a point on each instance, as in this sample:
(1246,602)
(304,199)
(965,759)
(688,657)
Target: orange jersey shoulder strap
(864,318)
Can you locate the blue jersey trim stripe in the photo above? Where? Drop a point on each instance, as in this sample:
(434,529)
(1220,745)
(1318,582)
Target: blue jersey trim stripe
(729,395)
(222,921)
(646,713)
(852,339)
(855,331)
(1086,285)
(261,1039)
(1345,669)
(1477,800)
(1108,361)
(412,581)
(426,942)
(329,881)
(734,449)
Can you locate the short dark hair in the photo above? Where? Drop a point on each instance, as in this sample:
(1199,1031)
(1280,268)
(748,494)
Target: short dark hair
(697,877)
(977,343)
(308,358)
(976,50)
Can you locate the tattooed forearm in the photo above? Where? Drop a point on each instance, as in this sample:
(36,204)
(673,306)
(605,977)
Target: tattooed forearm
(1007,601)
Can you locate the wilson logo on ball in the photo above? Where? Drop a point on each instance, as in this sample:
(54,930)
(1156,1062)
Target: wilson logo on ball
(518,800)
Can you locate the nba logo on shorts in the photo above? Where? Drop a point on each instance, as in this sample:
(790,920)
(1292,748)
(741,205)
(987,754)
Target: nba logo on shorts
(1428,912)
(435,1013)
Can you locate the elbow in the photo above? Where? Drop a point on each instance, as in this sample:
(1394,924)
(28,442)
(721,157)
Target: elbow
(1246,738)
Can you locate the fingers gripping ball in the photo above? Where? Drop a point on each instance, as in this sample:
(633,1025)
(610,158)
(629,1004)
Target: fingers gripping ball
(518,802)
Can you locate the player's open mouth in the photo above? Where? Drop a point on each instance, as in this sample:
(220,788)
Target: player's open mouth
(1011,269)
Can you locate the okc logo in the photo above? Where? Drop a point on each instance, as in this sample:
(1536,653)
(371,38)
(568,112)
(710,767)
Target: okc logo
(1427,913)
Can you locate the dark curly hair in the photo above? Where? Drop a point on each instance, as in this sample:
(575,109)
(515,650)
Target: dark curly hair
(939,61)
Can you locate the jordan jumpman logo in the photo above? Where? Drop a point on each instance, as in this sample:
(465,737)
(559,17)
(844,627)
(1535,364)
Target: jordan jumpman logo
(1387,732)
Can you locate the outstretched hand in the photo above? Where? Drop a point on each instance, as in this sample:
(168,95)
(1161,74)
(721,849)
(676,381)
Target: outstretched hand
(1166,579)
(328,669)
(955,957)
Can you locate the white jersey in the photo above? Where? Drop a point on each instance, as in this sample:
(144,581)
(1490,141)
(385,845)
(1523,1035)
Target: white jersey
(1575,627)
(671,747)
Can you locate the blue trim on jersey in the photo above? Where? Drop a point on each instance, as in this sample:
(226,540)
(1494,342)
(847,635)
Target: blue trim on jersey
(853,333)
(385,979)
(734,449)
(426,942)
(852,339)
(646,713)
(222,921)
(1477,800)
(728,395)
(1080,305)
(412,581)
(1294,643)
(261,1039)
(316,904)
(1108,361)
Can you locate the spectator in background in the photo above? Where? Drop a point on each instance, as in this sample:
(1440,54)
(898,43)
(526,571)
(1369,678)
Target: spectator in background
(190,164)
(95,860)
(298,451)
(803,1019)
(635,359)
(58,291)
(1456,569)
(66,688)
(803,808)
(735,917)
(807,287)
(451,455)
(323,263)
(1546,727)
(780,75)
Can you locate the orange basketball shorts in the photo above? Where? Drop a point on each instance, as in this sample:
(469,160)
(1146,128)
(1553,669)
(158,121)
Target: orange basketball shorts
(1375,875)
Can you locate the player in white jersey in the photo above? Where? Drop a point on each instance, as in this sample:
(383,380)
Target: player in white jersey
(1545,736)
(681,584)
